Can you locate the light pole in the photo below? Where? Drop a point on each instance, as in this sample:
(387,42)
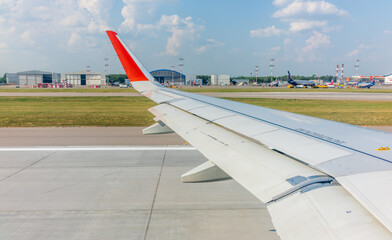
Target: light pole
(181,65)
(357,69)
(106,65)
(172,68)
(272,66)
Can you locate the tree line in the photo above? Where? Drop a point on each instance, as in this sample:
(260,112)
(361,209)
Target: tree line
(267,79)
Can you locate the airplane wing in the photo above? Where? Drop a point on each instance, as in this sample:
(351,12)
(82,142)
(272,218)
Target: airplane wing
(319,179)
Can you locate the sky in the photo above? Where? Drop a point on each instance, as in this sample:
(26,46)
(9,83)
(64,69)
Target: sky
(214,37)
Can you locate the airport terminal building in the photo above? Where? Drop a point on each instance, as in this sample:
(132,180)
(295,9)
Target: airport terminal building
(166,76)
(84,78)
(32,77)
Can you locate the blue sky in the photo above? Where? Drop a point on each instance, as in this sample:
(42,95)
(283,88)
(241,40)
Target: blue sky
(214,37)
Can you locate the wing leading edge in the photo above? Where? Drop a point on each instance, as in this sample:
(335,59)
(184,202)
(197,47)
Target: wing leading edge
(291,163)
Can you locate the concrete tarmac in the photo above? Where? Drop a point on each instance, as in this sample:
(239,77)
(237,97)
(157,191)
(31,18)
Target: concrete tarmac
(121,193)
(116,192)
(84,136)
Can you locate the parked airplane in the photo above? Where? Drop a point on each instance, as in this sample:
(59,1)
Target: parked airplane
(366,84)
(303,83)
(274,83)
(331,84)
(319,179)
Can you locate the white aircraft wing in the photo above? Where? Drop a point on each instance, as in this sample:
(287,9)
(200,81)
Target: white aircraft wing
(319,179)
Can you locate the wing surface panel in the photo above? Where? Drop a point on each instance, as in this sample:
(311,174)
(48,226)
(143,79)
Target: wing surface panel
(353,137)
(262,171)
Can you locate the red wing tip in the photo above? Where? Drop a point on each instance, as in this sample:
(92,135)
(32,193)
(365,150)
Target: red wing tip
(111,32)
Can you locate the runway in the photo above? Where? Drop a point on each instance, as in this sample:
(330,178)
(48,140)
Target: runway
(84,136)
(279,95)
(306,95)
(56,183)
(120,193)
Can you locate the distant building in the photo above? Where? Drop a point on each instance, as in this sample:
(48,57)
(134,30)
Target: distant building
(388,79)
(84,78)
(32,77)
(166,76)
(241,81)
(220,79)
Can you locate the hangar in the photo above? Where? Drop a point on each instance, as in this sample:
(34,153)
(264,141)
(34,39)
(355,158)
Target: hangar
(32,77)
(84,78)
(166,76)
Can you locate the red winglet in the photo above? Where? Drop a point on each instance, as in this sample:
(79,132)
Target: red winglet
(131,68)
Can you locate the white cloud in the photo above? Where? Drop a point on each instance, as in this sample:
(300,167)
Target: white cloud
(210,43)
(37,22)
(281,2)
(128,12)
(302,9)
(26,37)
(297,26)
(266,32)
(74,39)
(3,46)
(356,51)
(287,41)
(180,29)
(135,10)
(317,40)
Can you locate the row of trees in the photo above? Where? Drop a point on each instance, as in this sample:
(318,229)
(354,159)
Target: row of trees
(2,79)
(120,78)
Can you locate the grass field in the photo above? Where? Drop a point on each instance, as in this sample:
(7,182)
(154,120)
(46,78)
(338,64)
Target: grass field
(74,111)
(132,111)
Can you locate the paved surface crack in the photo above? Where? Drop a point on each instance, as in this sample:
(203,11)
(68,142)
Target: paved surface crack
(32,164)
(155,195)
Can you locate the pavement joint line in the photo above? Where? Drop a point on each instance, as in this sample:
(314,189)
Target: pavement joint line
(20,170)
(133,210)
(155,196)
(99,148)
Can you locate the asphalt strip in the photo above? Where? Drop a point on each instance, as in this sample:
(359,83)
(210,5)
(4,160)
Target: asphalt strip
(100,148)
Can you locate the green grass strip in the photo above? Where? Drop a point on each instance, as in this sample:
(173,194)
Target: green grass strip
(132,111)
(74,111)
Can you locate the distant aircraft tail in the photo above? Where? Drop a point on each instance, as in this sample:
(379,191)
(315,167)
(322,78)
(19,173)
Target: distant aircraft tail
(140,78)
(289,74)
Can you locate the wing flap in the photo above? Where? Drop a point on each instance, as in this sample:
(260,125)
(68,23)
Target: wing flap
(325,213)
(371,189)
